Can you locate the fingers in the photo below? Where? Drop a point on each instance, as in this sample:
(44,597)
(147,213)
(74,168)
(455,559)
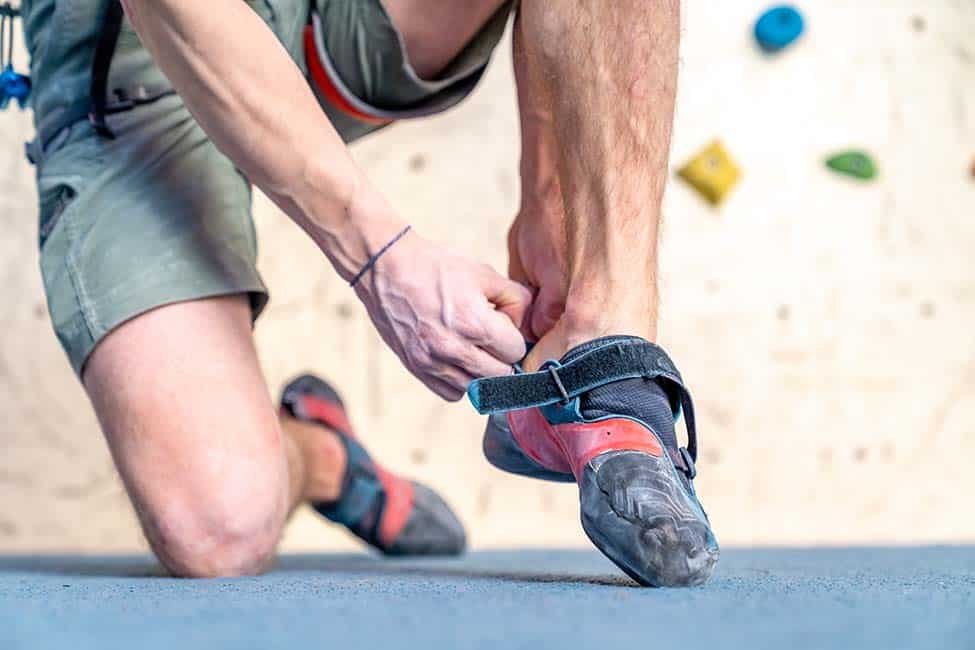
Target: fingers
(444,389)
(441,377)
(483,363)
(511,298)
(449,366)
(458,360)
(501,340)
(450,381)
(462,361)
(448,333)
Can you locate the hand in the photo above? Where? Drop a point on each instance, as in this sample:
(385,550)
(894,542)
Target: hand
(450,320)
(536,256)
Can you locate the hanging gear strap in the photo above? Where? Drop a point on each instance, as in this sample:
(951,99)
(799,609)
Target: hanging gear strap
(7,15)
(13,85)
(101,64)
(100,101)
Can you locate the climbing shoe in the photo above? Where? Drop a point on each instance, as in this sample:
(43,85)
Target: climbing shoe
(604,417)
(394,515)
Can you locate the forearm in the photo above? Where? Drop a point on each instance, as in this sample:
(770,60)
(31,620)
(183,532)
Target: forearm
(448,319)
(253,102)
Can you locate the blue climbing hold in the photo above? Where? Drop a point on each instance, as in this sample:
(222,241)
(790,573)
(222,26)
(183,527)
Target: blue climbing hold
(14,85)
(778,27)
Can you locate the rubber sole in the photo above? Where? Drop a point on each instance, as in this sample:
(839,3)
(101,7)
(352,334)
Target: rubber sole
(636,511)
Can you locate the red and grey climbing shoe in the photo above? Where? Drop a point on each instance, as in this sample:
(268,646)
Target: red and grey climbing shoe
(393,514)
(604,417)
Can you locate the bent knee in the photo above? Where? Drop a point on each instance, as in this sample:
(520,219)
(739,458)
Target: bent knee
(215,538)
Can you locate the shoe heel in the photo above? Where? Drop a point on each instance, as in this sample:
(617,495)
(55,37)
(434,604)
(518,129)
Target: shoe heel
(502,450)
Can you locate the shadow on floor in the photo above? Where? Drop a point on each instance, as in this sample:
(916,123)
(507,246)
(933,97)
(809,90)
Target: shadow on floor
(115,566)
(739,567)
(464,567)
(140,566)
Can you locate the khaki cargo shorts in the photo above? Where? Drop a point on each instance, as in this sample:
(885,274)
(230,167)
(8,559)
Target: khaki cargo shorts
(158,215)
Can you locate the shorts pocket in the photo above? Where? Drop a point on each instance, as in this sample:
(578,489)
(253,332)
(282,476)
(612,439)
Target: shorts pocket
(72,156)
(56,194)
(52,206)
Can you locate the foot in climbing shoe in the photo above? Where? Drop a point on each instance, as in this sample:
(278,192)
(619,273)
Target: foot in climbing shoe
(394,515)
(604,417)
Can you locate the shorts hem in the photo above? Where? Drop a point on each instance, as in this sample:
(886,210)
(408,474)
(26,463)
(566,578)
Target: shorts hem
(79,350)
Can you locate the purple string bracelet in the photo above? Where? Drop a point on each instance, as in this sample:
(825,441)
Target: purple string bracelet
(372,260)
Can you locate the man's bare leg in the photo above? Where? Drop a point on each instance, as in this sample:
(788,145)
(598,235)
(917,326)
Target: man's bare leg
(211,465)
(596,83)
(210,468)
(435,31)
(608,72)
(596,92)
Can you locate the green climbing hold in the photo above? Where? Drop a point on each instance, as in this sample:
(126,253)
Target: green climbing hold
(853,163)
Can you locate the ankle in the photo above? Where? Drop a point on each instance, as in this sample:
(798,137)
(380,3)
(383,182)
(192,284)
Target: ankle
(576,327)
(324,457)
(584,321)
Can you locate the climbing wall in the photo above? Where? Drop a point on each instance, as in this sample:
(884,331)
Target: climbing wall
(824,323)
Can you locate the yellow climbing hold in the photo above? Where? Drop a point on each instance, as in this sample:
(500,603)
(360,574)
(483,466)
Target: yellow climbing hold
(711,172)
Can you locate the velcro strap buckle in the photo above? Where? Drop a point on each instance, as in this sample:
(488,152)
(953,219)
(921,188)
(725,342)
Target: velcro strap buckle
(552,370)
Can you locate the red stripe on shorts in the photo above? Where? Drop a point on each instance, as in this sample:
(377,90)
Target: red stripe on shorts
(327,87)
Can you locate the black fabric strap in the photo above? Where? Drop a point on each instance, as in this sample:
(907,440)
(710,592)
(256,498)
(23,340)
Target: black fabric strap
(610,363)
(99,102)
(101,64)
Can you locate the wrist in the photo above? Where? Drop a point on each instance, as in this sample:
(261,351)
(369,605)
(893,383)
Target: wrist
(325,193)
(345,216)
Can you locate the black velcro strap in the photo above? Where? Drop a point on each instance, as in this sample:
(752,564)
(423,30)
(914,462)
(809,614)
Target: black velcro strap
(610,363)
(101,65)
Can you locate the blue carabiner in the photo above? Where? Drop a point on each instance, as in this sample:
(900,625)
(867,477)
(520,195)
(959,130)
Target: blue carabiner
(14,85)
